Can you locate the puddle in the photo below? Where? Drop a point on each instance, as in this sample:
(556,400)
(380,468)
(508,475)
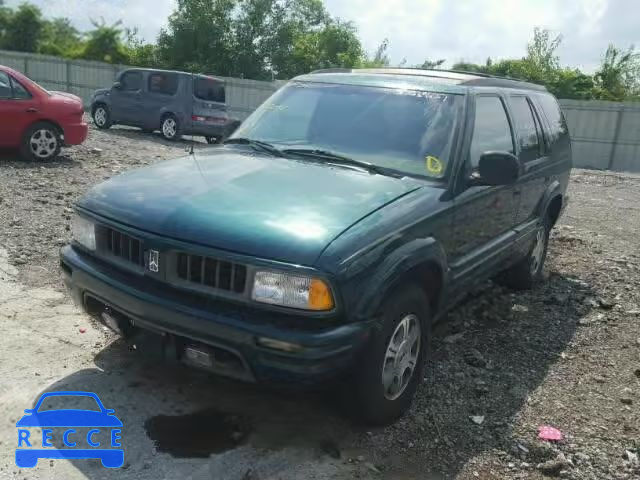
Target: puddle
(197,434)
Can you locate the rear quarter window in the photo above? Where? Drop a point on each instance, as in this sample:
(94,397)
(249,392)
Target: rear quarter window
(163,83)
(209,89)
(554,116)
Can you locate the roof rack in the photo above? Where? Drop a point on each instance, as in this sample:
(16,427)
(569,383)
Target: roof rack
(471,79)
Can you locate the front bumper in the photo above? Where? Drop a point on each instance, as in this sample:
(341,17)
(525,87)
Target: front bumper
(76,133)
(321,355)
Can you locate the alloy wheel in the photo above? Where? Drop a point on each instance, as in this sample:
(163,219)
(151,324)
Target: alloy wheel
(401,357)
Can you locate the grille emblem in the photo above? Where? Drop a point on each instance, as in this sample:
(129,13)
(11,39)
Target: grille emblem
(154,261)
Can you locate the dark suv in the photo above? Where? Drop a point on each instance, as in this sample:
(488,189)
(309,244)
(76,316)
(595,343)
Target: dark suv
(176,103)
(335,226)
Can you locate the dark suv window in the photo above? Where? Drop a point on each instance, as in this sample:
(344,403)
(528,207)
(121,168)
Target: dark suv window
(557,123)
(209,89)
(527,128)
(163,83)
(131,81)
(491,129)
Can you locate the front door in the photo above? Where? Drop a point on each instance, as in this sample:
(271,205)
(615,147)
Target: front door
(18,109)
(126,100)
(484,215)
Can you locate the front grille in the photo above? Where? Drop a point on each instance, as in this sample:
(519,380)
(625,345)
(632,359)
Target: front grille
(210,272)
(124,246)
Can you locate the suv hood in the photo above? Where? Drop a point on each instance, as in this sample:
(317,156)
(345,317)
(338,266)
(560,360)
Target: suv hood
(235,199)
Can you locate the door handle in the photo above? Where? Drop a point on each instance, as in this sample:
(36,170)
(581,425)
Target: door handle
(31,110)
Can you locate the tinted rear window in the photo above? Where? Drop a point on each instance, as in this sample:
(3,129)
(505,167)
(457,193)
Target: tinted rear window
(163,83)
(555,117)
(209,89)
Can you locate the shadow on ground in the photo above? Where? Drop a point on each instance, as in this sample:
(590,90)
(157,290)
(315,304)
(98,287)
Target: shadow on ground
(488,356)
(137,134)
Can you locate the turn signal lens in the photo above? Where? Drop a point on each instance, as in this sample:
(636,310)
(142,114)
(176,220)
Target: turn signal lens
(319,295)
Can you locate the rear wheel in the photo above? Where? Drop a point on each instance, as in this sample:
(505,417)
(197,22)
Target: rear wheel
(101,116)
(170,127)
(390,368)
(41,142)
(528,271)
(211,140)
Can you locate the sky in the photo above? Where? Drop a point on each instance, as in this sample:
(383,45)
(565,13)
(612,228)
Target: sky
(455,30)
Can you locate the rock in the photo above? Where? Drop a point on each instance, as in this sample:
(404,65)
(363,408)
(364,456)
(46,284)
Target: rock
(360,458)
(520,308)
(96,150)
(557,299)
(553,467)
(626,401)
(606,303)
(637,372)
(372,467)
(590,302)
(330,448)
(474,358)
(631,457)
(477,419)
(453,338)
(599,379)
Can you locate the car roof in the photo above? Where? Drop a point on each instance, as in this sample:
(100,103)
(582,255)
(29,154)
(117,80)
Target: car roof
(446,81)
(178,72)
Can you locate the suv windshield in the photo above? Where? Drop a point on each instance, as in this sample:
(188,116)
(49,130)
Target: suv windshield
(408,131)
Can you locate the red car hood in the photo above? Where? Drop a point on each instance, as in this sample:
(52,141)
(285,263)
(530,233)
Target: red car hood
(66,95)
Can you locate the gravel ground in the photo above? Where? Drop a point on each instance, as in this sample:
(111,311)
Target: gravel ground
(566,354)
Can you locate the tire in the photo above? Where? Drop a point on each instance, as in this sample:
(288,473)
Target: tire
(41,142)
(528,271)
(383,398)
(211,140)
(101,116)
(170,127)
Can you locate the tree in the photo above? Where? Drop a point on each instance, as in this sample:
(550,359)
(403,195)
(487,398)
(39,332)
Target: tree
(432,64)
(139,53)
(23,28)
(619,74)
(59,37)
(104,44)
(380,57)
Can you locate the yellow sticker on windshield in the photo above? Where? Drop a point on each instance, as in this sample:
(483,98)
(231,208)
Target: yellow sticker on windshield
(434,165)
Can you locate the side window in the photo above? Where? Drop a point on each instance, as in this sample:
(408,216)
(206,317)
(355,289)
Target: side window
(491,129)
(19,92)
(163,83)
(527,128)
(5,86)
(131,81)
(557,123)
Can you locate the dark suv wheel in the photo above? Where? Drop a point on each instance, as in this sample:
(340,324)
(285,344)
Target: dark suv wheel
(528,271)
(390,368)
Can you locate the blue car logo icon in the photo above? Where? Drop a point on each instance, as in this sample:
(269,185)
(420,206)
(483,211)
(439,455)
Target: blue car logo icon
(64,421)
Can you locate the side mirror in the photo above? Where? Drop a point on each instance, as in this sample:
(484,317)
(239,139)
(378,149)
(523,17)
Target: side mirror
(498,168)
(117,85)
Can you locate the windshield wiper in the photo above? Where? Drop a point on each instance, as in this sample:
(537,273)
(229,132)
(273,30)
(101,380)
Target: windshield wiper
(339,159)
(256,144)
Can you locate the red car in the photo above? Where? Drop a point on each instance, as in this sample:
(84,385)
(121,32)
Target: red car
(37,121)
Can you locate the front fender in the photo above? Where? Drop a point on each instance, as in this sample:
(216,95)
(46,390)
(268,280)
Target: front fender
(397,265)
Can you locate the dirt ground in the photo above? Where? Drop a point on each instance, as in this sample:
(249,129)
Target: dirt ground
(566,354)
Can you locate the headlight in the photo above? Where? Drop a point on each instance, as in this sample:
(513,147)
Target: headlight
(84,232)
(292,291)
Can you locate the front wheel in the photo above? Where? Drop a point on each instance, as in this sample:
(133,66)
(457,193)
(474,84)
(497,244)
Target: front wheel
(170,128)
(390,368)
(41,142)
(101,116)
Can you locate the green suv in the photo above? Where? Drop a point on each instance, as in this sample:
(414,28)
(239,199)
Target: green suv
(336,225)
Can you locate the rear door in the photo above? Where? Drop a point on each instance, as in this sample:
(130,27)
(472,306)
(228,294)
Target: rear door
(18,109)
(126,101)
(532,153)
(160,92)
